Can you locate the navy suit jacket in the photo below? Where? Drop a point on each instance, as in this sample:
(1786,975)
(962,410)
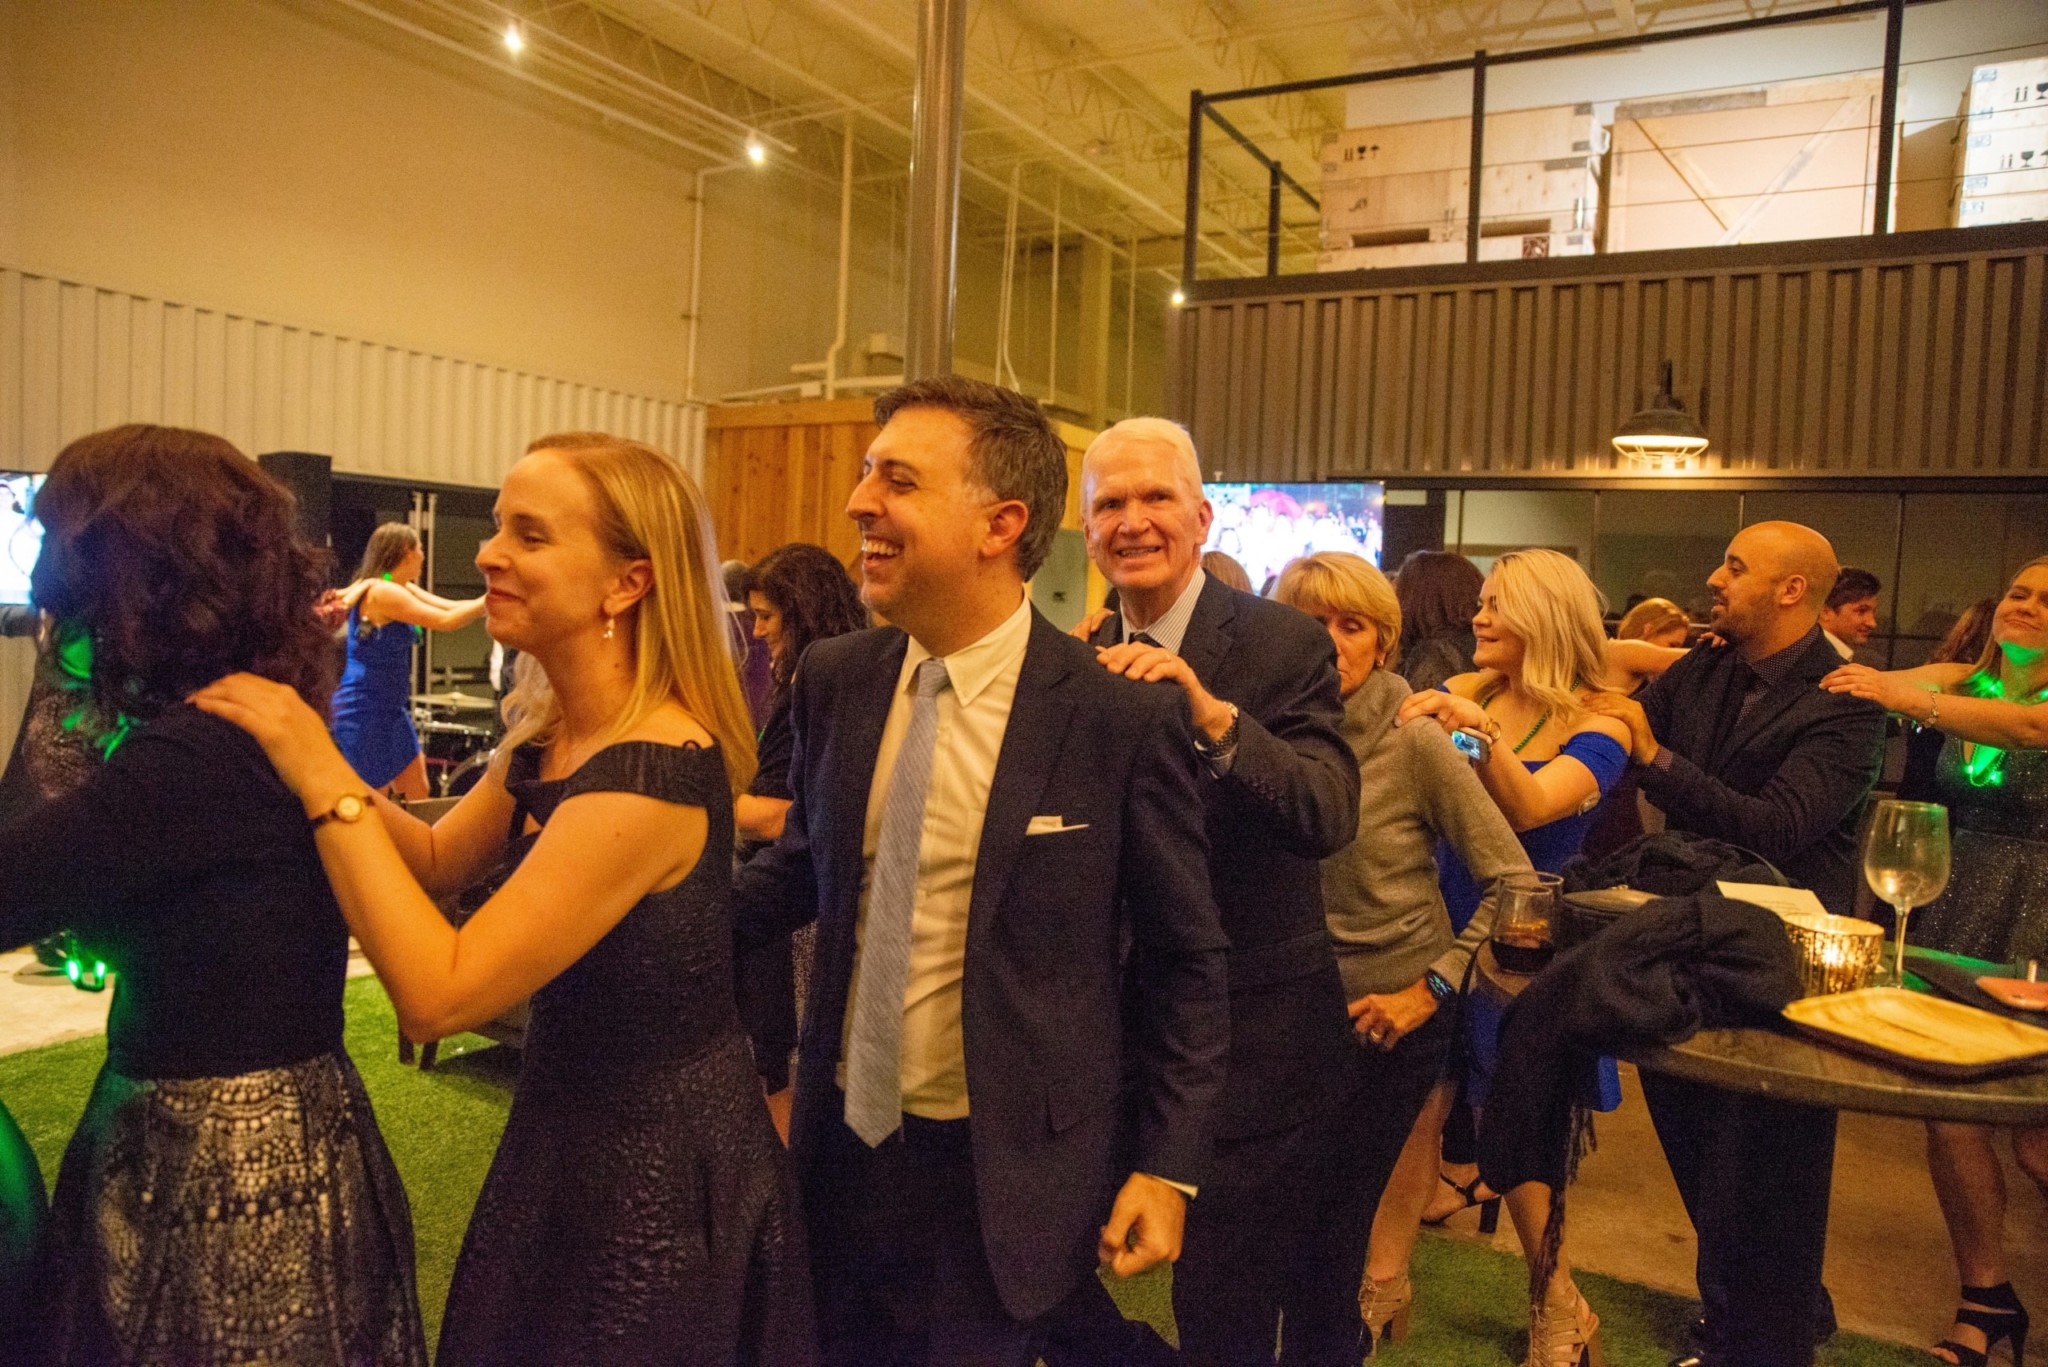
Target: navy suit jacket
(1051,920)
(1789,781)
(1289,801)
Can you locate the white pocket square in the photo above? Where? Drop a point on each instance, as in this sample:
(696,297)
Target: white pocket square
(1052,825)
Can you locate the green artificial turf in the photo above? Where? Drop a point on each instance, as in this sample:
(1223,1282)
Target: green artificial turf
(442,1127)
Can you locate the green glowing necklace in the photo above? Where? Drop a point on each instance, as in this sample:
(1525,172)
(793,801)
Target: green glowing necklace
(72,655)
(1985,765)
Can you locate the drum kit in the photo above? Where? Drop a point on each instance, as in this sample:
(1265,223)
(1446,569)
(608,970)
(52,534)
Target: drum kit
(459,733)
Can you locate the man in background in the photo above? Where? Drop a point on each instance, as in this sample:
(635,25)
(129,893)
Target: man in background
(1849,616)
(1269,1234)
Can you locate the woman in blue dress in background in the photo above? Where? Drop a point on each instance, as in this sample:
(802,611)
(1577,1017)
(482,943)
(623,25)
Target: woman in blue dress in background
(1540,651)
(371,716)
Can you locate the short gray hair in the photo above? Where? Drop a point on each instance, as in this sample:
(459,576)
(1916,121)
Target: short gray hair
(1161,431)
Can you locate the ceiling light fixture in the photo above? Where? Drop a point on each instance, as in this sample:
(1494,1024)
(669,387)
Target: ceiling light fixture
(1179,297)
(757,151)
(1663,436)
(515,41)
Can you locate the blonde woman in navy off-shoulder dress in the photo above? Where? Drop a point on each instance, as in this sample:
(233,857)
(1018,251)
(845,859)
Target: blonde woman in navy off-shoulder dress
(640,1208)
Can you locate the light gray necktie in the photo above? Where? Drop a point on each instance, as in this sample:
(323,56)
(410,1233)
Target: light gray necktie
(874,1053)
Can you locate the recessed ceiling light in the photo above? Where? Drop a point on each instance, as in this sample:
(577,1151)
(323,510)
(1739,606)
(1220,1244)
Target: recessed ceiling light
(1179,297)
(515,41)
(757,151)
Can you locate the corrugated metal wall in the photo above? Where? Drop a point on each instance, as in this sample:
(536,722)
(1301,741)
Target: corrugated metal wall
(75,358)
(1917,362)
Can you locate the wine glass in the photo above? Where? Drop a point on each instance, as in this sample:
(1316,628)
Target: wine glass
(1905,860)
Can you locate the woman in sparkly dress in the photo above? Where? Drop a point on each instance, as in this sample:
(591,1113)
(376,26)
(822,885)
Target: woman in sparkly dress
(226,1197)
(640,1208)
(1993,778)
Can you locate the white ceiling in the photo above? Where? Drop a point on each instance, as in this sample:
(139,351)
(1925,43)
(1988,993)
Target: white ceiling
(1082,105)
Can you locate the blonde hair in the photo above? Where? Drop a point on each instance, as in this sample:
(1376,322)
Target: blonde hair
(1649,617)
(1340,583)
(1992,661)
(649,509)
(1547,600)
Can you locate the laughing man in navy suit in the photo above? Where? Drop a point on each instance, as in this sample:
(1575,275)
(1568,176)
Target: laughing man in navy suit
(988,828)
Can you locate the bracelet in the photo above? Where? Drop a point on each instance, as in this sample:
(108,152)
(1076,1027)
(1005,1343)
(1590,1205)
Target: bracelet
(1933,708)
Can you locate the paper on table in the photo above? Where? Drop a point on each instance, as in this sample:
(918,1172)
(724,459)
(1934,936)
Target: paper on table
(1784,901)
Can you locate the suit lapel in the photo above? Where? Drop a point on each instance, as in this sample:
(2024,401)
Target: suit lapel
(1031,746)
(861,711)
(1208,637)
(1209,634)
(1796,684)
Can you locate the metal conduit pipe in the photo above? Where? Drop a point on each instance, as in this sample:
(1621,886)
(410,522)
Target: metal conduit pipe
(845,258)
(934,187)
(1052,325)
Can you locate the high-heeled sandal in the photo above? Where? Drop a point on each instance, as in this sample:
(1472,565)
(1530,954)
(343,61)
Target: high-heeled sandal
(1564,1334)
(1996,1313)
(1385,1307)
(1468,1193)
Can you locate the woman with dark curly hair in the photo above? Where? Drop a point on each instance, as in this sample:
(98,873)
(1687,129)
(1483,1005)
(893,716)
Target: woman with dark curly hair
(226,1197)
(799,594)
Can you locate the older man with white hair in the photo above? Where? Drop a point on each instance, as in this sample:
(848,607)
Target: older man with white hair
(1282,794)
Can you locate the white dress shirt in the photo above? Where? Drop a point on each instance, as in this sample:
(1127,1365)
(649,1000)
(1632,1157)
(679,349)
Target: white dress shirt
(973,714)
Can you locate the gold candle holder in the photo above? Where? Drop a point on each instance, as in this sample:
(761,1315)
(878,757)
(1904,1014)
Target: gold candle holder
(1836,953)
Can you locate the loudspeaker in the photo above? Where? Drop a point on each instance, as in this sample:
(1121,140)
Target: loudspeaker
(310,477)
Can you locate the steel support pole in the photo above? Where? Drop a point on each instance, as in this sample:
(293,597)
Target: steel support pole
(1888,117)
(935,186)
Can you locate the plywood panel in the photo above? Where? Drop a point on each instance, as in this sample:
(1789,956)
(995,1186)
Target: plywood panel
(1932,360)
(782,472)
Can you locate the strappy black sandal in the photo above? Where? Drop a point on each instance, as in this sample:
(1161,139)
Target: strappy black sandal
(1468,1192)
(1996,1313)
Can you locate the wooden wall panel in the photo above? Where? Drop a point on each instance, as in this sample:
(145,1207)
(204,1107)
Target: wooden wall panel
(782,472)
(1924,353)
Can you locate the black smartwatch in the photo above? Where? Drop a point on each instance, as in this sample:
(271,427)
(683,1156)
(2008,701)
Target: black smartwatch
(1439,986)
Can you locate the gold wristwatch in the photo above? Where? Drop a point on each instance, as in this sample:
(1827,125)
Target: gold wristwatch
(347,809)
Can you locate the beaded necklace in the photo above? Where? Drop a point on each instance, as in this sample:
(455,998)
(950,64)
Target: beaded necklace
(1486,705)
(1984,767)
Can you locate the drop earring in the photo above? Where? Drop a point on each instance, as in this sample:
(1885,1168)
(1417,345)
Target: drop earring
(607,628)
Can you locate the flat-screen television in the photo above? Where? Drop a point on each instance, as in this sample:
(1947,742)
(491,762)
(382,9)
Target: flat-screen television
(1263,526)
(21,536)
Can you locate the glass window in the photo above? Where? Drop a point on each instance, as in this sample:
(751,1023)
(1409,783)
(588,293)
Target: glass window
(1864,530)
(1959,548)
(1492,522)
(1654,544)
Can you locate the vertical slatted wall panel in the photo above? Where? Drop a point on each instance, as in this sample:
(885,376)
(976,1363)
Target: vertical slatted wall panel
(1932,363)
(75,359)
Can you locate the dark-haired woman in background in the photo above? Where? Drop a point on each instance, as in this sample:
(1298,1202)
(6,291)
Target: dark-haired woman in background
(799,594)
(1439,593)
(372,713)
(226,1197)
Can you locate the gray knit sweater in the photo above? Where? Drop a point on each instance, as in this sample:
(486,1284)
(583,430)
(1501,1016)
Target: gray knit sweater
(1380,893)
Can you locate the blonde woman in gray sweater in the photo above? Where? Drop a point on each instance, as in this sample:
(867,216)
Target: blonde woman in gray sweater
(1401,963)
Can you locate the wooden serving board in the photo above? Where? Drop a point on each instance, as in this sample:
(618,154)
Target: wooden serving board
(1924,1033)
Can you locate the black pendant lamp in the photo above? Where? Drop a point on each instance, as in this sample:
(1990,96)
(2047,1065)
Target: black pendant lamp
(1663,436)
